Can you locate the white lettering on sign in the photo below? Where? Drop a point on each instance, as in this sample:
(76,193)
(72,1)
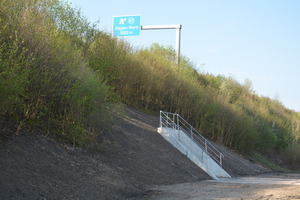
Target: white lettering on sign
(126,26)
(133,27)
(121,28)
(122,21)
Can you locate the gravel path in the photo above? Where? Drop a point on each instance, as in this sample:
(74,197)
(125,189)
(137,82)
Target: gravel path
(267,187)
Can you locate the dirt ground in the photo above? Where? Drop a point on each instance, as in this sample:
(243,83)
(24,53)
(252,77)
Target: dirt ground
(266,187)
(136,163)
(135,157)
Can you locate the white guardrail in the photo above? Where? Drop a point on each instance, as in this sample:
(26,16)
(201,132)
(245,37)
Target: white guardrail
(175,121)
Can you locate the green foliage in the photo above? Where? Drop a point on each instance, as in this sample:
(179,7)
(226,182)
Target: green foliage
(268,163)
(107,56)
(292,155)
(57,69)
(44,77)
(220,107)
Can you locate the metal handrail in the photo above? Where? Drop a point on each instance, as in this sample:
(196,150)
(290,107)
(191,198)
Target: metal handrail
(175,121)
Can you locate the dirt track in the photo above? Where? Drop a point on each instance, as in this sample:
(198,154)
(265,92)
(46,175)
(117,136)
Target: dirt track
(284,187)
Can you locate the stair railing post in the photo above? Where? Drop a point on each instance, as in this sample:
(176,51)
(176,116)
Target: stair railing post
(160,120)
(177,121)
(173,123)
(220,159)
(206,146)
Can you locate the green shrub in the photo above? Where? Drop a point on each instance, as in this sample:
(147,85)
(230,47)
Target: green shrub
(220,107)
(57,69)
(292,156)
(44,77)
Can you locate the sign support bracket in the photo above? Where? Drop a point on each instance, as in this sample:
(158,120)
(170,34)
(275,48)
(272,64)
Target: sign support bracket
(178,35)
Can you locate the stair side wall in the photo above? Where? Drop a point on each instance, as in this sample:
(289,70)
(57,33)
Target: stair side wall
(189,148)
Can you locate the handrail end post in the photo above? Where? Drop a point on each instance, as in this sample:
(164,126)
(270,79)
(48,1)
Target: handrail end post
(160,119)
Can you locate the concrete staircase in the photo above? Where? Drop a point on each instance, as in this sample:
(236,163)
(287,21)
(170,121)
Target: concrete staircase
(191,143)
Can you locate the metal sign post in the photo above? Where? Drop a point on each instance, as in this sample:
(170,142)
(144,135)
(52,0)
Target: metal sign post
(178,33)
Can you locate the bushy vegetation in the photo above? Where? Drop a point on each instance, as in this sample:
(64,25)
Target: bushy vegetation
(220,107)
(44,77)
(57,70)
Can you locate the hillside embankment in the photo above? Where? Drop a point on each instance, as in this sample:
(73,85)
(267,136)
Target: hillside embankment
(133,159)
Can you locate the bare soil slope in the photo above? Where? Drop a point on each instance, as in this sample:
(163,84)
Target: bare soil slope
(136,159)
(236,165)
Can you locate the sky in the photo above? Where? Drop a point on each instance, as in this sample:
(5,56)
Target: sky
(258,40)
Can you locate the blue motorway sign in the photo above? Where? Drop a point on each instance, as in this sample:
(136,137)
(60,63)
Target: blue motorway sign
(126,26)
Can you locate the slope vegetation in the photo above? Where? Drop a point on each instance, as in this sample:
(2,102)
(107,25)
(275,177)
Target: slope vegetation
(58,72)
